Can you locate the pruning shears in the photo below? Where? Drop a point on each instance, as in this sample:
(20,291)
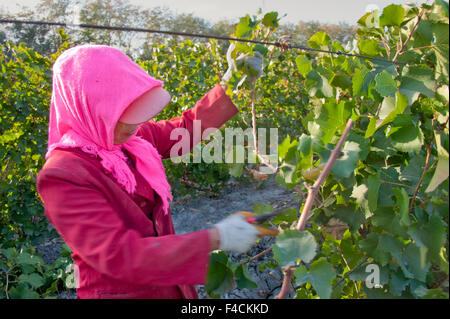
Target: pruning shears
(254,219)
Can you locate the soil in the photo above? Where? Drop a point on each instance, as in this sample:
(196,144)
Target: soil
(203,212)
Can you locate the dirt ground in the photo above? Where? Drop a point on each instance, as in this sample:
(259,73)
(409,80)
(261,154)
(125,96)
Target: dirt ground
(203,212)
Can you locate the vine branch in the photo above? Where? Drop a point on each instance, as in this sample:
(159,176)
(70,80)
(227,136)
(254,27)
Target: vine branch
(255,140)
(312,193)
(403,45)
(313,190)
(350,271)
(256,256)
(427,162)
(286,285)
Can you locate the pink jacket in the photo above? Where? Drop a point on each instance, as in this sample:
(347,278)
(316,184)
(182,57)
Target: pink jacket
(125,246)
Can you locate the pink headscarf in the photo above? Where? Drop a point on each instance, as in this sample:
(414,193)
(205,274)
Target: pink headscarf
(92,87)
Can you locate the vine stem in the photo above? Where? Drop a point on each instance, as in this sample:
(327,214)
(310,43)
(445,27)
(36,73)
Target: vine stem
(313,190)
(403,45)
(255,140)
(256,256)
(427,162)
(286,285)
(350,271)
(312,193)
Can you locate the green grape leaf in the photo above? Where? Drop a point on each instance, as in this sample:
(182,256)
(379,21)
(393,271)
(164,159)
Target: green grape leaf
(440,174)
(236,169)
(242,48)
(261,49)
(398,283)
(270,19)
(369,47)
(320,41)
(220,276)
(417,80)
(441,49)
(305,145)
(292,246)
(440,11)
(243,28)
(364,144)
(370,19)
(407,137)
(381,66)
(373,183)
(442,94)
(371,127)
(243,278)
(391,107)
(320,275)
(317,85)
(422,36)
(395,247)
(360,80)
(415,258)
(289,171)
(403,203)
(305,149)
(23,292)
(442,169)
(385,218)
(371,246)
(348,214)
(284,147)
(341,80)
(33,279)
(360,193)
(413,170)
(28,259)
(304,65)
(392,15)
(346,164)
(431,235)
(385,84)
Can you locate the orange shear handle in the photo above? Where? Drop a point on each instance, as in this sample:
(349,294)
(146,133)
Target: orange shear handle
(262,230)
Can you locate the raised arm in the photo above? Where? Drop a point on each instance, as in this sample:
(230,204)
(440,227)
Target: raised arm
(214,109)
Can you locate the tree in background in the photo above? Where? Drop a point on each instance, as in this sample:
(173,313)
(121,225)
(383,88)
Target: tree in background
(303,31)
(46,40)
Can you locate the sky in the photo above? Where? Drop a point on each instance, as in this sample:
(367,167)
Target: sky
(324,11)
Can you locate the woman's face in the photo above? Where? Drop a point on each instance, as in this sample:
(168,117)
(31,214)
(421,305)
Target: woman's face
(123,132)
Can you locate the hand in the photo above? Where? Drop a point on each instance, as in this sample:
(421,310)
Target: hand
(236,234)
(252,66)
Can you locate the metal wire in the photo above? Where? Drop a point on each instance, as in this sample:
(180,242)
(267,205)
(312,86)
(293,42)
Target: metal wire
(283,45)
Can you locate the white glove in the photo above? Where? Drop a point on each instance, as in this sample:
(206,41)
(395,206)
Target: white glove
(253,65)
(236,234)
(231,65)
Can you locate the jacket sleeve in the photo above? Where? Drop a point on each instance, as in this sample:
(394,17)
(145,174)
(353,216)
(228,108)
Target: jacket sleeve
(93,229)
(213,110)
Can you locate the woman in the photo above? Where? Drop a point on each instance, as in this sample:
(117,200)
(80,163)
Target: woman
(104,187)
